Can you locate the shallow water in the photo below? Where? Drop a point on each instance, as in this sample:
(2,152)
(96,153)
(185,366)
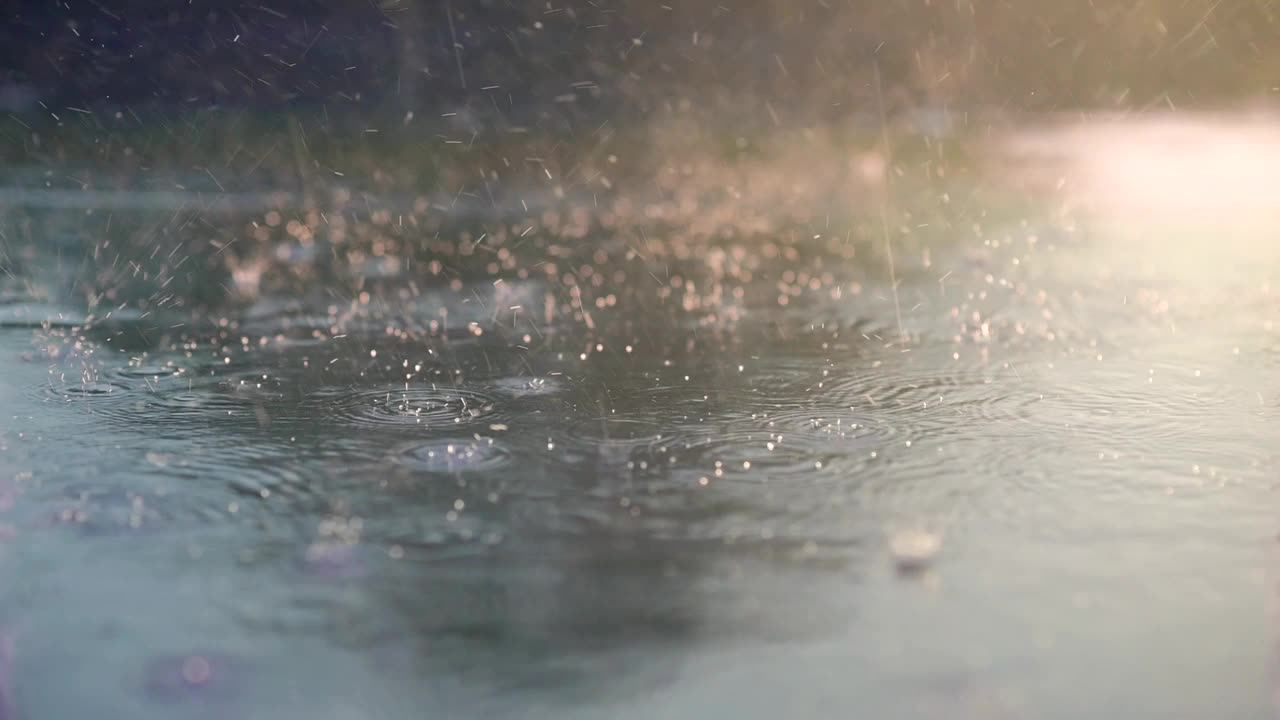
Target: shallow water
(670,511)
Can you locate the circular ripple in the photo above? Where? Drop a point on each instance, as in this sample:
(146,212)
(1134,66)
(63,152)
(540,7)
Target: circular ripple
(197,405)
(147,372)
(914,405)
(734,391)
(174,491)
(1158,404)
(628,433)
(719,481)
(452,456)
(679,420)
(164,394)
(205,398)
(1073,487)
(799,496)
(767,456)
(150,379)
(526,386)
(826,424)
(89,390)
(409,408)
(279,484)
(95,399)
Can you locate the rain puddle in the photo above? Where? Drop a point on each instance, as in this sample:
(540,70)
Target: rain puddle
(1024,468)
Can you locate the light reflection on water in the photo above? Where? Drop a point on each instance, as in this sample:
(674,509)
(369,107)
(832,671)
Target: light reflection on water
(662,516)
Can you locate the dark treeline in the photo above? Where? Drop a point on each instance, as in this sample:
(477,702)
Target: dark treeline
(819,56)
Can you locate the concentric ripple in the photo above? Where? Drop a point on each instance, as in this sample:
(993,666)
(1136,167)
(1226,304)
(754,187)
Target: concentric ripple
(146,371)
(914,403)
(762,456)
(452,456)
(521,386)
(172,491)
(93,400)
(620,434)
(150,377)
(716,479)
(410,408)
(1157,402)
(208,398)
(796,495)
(165,395)
(88,390)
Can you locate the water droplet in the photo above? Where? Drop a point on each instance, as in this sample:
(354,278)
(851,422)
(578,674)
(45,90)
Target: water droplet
(914,549)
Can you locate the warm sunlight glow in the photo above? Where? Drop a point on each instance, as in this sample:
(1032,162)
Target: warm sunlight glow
(1167,168)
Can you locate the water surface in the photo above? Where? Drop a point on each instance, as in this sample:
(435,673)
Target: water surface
(515,497)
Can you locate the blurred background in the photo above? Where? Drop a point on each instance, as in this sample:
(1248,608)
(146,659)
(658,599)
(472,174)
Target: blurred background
(803,57)
(503,104)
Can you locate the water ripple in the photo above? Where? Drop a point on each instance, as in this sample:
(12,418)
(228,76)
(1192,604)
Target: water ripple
(252,395)
(141,371)
(92,400)
(88,390)
(626,433)
(177,487)
(407,408)
(452,456)
(918,403)
(521,386)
